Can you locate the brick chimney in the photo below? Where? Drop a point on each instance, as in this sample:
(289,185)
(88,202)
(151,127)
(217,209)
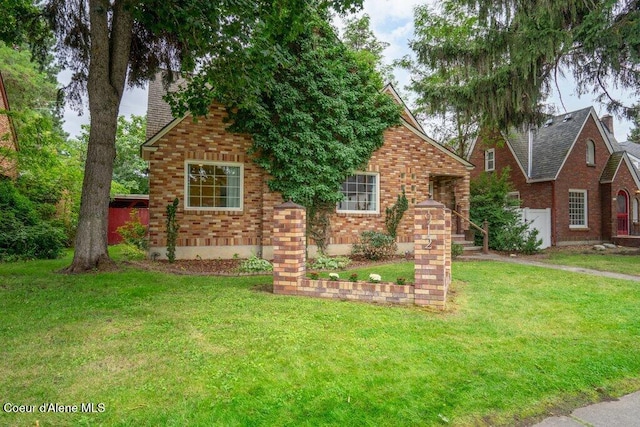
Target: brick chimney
(607,120)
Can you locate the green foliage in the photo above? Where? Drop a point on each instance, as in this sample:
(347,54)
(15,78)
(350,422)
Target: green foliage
(323,262)
(374,245)
(456,250)
(490,201)
(394,214)
(172,229)
(133,232)
(253,264)
(496,60)
(48,171)
(24,234)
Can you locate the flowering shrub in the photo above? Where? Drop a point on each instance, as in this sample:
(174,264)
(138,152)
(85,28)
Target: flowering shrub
(353,277)
(334,276)
(313,275)
(375,278)
(401,281)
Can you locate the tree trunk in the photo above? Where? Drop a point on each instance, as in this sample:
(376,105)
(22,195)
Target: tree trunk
(109,58)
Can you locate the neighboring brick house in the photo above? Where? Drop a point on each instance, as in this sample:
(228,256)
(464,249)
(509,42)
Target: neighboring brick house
(226,207)
(572,166)
(8,141)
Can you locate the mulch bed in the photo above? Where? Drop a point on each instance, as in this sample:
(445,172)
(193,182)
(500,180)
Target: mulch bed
(225,267)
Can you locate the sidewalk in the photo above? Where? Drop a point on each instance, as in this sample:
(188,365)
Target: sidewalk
(517,260)
(624,412)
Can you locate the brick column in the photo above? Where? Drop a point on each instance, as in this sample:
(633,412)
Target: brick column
(432,239)
(289,251)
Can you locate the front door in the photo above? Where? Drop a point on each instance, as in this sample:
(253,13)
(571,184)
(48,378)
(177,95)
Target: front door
(623,213)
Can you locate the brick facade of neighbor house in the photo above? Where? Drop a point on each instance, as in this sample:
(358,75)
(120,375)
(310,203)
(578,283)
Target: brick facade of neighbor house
(408,158)
(7,137)
(552,161)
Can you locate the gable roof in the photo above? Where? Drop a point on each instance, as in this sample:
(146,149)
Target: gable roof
(542,151)
(613,166)
(160,120)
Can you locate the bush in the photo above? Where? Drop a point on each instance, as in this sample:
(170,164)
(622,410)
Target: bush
(374,245)
(253,264)
(490,201)
(23,234)
(456,250)
(133,232)
(323,262)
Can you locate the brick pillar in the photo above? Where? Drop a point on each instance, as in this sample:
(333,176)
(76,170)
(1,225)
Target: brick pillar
(289,251)
(432,239)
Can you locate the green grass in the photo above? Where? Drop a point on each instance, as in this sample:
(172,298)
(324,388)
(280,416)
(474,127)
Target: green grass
(160,349)
(626,263)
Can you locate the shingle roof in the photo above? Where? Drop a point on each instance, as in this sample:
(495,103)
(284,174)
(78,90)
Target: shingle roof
(609,172)
(551,143)
(158,111)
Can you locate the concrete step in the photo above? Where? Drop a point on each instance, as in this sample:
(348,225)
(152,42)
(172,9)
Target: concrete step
(468,245)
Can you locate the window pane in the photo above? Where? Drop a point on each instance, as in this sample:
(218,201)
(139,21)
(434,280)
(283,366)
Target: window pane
(360,193)
(214,186)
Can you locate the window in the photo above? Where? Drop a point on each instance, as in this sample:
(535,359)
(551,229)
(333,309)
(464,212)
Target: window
(515,195)
(213,186)
(490,159)
(360,194)
(635,210)
(591,153)
(577,208)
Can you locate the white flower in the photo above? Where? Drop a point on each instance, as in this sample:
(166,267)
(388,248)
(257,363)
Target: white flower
(334,276)
(375,277)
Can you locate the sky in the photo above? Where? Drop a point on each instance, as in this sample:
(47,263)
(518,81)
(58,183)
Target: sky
(392,22)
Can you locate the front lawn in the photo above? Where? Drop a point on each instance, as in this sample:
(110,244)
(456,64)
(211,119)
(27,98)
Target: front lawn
(160,349)
(624,260)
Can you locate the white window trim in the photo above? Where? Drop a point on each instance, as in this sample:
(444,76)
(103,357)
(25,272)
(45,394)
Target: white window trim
(586,209)
(356,212)
(635,207)
(514,195)
(491,151)
(211,208)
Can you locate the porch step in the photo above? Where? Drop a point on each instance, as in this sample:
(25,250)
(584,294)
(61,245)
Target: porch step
(467,245)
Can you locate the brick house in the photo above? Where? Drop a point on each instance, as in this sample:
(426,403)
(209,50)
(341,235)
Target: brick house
(573,168)
(8,140)
(226,207)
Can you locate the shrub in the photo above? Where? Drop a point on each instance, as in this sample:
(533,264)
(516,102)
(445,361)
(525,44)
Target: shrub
(374,245)
(401,281)
(490,201)
(314,276)
(456,250)
(172,230)
(133,232)
(23,234)
(334,276)
(323,262)
(393,215)
(353,277)
(253,264)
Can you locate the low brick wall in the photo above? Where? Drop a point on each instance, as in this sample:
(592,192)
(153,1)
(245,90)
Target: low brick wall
(359,291)
(432,240)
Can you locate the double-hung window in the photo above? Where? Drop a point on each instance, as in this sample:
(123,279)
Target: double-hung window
(578,209)
(361,194)
(490,160)
(213,185)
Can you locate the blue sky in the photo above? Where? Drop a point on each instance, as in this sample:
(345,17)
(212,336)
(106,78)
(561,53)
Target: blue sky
(392,22)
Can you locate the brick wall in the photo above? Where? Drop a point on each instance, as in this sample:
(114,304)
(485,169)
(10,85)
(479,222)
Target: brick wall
(432,229)
(7,141)
(575,174)
(406,160)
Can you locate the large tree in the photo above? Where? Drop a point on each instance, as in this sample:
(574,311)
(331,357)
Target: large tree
(109,42)
(498,59)
(316,115)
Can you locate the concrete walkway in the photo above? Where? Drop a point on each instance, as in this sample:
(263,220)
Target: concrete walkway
(524,261)
(624,412)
